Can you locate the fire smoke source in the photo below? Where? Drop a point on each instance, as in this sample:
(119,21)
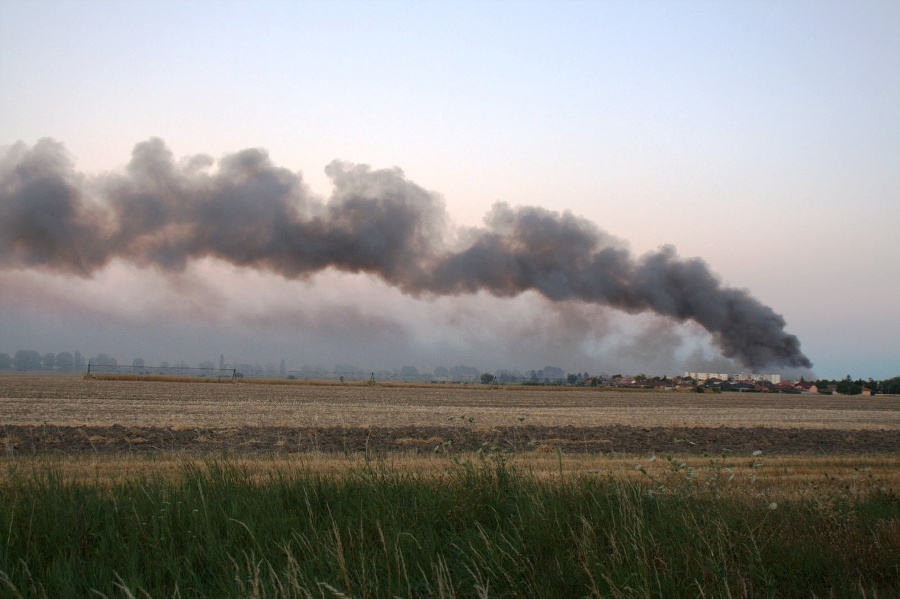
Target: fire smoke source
(246,211)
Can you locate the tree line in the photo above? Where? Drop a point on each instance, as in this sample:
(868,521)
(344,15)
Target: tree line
(847,386)
(28,359)
(33,361)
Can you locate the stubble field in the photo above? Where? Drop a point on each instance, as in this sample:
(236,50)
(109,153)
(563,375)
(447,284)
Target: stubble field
(71,415)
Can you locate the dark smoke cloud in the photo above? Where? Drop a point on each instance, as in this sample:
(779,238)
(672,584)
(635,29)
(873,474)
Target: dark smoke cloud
(244,210)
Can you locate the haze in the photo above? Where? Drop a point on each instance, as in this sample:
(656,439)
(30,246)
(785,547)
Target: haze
(761,138)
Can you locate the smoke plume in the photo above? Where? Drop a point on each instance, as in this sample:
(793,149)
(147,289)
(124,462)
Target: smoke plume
(242,209)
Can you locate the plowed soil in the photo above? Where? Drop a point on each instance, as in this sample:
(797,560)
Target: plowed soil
(69,415)
(610,439)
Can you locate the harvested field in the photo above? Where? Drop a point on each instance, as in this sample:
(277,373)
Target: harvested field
(781,477)
(61,414)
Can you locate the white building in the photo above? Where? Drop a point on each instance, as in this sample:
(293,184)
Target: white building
(744,376)
(705,376)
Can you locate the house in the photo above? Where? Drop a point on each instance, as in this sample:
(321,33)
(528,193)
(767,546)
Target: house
(806,387)
(784,387)
(741,386)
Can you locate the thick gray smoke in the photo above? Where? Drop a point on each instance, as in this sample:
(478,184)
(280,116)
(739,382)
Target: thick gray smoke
(246,211)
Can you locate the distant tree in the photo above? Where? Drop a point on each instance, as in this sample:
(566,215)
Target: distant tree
(282,369)
(822,384)
(79,361)
(221,361)
(409,372)
(848,387)
(103,363)
(487,378)
(465,373)
(571,378)
(5,361)
(137,364)
(65,361)
(27,359)
(48,361)
(508,376)
(891,386)
(441,372)
(552,373)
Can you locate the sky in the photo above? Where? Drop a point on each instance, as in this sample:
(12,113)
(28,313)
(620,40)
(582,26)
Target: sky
(761,138)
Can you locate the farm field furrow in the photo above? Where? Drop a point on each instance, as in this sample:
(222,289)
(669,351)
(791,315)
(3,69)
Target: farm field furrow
(99,440)
(72,401)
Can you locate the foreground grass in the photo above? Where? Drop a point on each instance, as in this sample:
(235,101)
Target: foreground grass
(478,528)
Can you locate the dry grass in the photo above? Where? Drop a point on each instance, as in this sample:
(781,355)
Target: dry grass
(73,401)
(783,477)
(283,381)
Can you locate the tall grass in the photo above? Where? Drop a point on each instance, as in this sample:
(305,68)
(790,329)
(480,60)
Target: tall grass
(481,528)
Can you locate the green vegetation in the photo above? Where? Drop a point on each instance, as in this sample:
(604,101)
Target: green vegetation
(847,386)
(477,529)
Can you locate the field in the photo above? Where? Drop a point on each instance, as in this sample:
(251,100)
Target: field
(68,415)
(175,489)
(67,400)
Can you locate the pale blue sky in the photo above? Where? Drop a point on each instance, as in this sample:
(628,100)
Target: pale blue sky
(761,136)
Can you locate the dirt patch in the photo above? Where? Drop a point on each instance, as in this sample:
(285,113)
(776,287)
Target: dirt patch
(116,439)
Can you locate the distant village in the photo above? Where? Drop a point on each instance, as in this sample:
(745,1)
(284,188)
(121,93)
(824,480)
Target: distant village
(697,382)
(759,383)
(700,382)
